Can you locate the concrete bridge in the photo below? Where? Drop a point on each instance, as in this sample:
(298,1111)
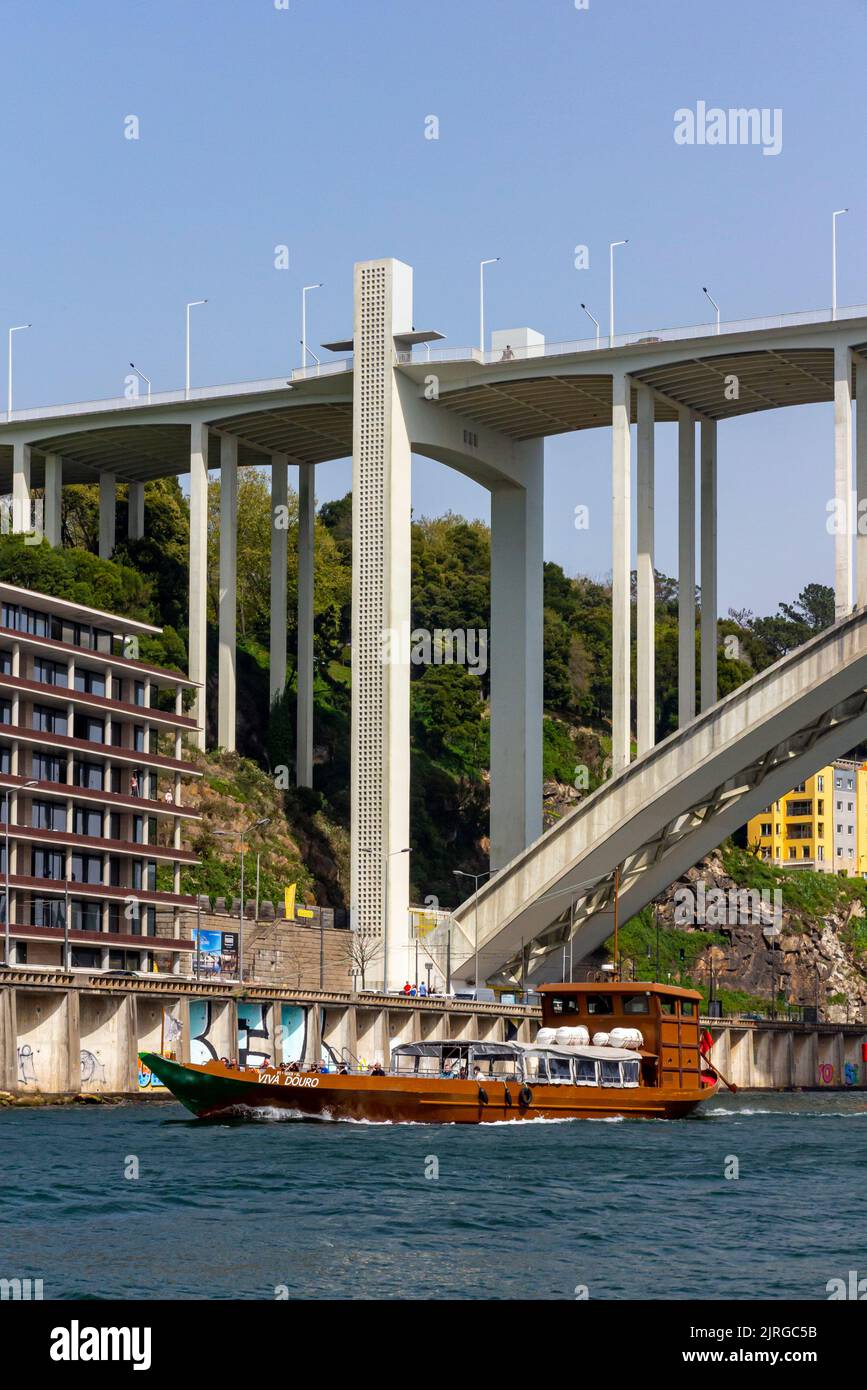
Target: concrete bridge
(670,807)
(484,412)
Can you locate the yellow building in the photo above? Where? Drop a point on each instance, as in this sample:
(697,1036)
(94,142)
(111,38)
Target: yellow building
(798,830)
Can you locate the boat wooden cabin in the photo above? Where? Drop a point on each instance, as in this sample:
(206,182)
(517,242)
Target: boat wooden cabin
(666,1015)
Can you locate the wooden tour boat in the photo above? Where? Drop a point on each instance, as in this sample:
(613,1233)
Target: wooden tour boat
(603,1050)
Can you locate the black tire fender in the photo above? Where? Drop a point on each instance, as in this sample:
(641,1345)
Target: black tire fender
(483,1096)
(525,1096)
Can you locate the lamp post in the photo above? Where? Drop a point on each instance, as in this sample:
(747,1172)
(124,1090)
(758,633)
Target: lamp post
(593,319)
(304,349)
(192,305)
(611,288)
(493,261)
(19,328)
(7,948)
(477,878)
(385,859)
(834,216)
(242,912)
(144,378)
(706,291)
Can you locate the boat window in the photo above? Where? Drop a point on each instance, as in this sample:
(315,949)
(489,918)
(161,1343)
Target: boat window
(667,1006)
(687,1008)
(636,1004)
(560,1006)
(560,1068)
(610,1073)
(585,1071)
(631,1071)
(599,1004)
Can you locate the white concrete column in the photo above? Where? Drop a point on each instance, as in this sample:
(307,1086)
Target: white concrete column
(685,567)
(842,480)
(20,487)
(53,504)
(135,511)
(304,715)
(381,493)
(861,479)
(107,514)
(621,569)
(646,609)
(279,557)
(708,565)
(228,605)
(516,662)
(198,571)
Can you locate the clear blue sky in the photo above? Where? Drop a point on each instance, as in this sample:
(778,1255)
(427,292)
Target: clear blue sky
(306,127)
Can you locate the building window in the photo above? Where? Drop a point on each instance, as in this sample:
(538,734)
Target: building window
(820,782)
(89,682)
(49,672)
(820,853)
(85,916)
(89,775)
(5,711)
(88,822)
(48,720)
(48,769)
(87,868)
(86,958)
(47,863)
(48,815)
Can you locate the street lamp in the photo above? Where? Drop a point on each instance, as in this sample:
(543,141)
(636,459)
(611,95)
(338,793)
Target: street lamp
(611,288)
(256,825)
(144,378)
(192,305)
(385,859)
(7,948)
(593,319)
(19,328)
(459,873)
(834,216)
(492,261)
(304,349)
(706,291)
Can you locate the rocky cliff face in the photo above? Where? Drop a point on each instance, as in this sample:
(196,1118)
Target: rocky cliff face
(799,937)
(772,947)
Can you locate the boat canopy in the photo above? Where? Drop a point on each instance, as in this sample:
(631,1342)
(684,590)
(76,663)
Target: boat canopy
(597,1054)
(495,1051)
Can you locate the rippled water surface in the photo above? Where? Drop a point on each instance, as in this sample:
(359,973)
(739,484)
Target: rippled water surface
(630,1209)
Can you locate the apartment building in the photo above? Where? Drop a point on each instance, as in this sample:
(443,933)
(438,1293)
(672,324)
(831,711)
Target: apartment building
(820,824)
(92,777)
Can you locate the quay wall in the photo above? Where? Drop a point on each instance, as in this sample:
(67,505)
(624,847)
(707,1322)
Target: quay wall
(72,1035)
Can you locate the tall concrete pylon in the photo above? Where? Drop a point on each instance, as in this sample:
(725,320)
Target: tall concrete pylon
(381,499)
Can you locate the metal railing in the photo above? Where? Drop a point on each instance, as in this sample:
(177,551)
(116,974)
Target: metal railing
(426,353)
(419,356)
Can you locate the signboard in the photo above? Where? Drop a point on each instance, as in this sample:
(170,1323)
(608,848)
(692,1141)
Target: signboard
(217,954)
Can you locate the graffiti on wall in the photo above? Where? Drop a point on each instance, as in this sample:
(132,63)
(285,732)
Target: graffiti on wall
(26,1065)
(92,1069)
(828,1074)
(203,1017)
(254,1035)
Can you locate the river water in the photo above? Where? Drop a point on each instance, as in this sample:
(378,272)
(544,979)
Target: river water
(619,1209)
